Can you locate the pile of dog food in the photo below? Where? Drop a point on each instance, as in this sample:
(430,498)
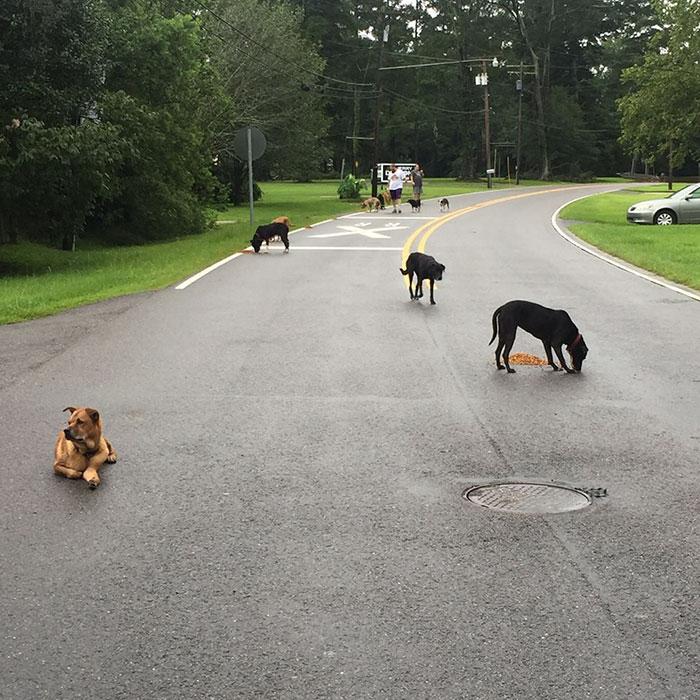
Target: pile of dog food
(523,358)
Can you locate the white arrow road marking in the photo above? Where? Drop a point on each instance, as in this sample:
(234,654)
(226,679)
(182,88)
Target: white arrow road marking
(352,229)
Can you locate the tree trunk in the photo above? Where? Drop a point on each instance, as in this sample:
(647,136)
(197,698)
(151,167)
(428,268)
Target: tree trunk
(541,81)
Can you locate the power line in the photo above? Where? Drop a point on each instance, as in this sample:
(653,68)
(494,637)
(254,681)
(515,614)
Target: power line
(439,109)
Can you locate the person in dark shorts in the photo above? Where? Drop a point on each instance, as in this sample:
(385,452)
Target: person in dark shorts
(396,178)
(417,180)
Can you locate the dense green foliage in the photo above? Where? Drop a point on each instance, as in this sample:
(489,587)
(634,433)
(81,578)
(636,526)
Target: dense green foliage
(661,117)
(572,53)
(113,113)
(118,117)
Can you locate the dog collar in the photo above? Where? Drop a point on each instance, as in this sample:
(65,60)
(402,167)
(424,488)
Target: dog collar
(577,340)
(87,453)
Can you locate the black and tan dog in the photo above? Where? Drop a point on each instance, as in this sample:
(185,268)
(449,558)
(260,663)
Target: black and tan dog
(81,449)
(415,204)
(553,327)
(279,228)
(425,267)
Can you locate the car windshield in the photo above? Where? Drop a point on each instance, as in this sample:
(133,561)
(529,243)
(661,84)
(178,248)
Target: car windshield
(683,192)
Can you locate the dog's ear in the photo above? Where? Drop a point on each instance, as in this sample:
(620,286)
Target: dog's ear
(95,415)
(72,409)
(442,267)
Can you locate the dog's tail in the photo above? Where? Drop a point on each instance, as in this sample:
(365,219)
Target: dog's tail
(494,318)
(403,272)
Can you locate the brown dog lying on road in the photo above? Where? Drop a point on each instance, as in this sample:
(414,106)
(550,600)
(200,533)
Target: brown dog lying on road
(81,448)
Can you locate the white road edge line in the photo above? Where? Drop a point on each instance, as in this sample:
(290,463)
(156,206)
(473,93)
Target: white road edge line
(206,271)
(223,261)
(612,261)
(387,217)
(336,247)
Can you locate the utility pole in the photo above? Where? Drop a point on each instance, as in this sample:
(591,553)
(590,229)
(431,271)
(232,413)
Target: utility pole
(355,131)
(383,37)
(483,79)
(487,121)
(519,88)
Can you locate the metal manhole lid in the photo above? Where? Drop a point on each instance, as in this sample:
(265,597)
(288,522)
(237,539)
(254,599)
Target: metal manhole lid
(528,497)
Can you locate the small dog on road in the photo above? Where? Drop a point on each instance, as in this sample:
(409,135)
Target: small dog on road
(425,267)
(415,204)
(372,203)
(81,449)
(444,204)
(553,327)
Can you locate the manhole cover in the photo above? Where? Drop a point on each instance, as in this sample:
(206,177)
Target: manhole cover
(528,498)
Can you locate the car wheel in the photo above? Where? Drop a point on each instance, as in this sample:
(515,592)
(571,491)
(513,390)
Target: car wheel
(665,217)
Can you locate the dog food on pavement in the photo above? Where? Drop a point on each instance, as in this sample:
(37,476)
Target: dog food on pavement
(524,358)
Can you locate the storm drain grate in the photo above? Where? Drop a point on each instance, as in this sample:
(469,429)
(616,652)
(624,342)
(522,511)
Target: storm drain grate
(528,498)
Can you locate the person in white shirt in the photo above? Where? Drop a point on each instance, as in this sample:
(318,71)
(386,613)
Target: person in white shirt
(396,178)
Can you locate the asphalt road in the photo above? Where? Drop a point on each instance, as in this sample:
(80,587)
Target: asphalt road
(286,519)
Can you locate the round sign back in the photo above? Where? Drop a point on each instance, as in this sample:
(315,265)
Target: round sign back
(258,143)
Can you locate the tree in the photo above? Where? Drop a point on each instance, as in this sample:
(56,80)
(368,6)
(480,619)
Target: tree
(52,166)
(54,176)
(163,95)
(272,75)
(51,58)
(661,114)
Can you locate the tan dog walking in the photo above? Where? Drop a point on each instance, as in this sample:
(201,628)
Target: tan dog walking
(371,203)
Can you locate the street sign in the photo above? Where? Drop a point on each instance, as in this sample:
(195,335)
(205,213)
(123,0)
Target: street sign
(257,139)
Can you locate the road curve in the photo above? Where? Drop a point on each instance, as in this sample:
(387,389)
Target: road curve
(286,518)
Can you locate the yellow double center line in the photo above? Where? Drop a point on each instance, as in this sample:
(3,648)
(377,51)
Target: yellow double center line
(428,229)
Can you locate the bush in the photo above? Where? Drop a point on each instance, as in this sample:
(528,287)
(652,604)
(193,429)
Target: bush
(350,187)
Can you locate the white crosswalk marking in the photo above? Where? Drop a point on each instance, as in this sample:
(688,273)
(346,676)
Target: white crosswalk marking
(352,229)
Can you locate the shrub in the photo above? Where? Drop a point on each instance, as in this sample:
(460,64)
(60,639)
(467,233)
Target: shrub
(350,187)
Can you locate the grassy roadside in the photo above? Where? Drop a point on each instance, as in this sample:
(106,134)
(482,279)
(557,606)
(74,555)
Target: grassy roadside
(37,281)
(670,251)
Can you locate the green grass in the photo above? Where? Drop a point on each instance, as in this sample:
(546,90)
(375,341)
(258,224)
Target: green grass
(37,281)
(670,251)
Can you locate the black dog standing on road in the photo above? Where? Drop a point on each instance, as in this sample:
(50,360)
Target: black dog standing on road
(263,234)
(552,327)
(415,204)
(425,267)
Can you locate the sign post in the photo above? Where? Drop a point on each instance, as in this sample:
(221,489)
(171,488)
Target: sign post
(250,177)
(249,144)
